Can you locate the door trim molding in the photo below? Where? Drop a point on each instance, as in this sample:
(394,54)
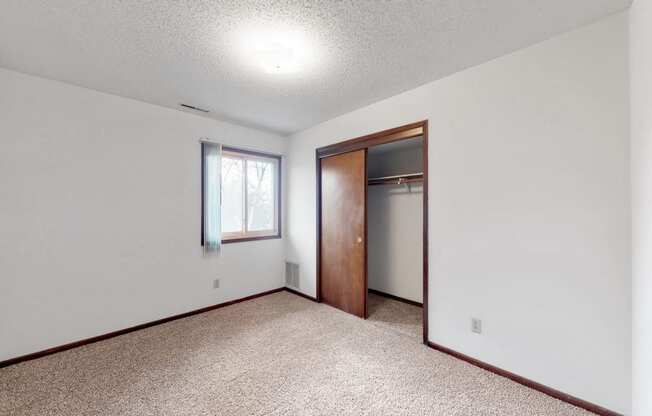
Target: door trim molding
(419,128)
(374,139)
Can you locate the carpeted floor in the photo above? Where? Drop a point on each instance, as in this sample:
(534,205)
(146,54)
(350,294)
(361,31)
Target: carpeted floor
(396,316)
(275,355)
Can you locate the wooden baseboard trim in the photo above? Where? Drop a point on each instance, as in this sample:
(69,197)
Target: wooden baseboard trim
(504,373)
(303,295)
(594,408)
(102,337)
(394,297)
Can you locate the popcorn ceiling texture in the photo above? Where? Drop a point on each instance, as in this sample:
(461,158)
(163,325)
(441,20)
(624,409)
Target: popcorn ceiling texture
(276,355)
(169,51)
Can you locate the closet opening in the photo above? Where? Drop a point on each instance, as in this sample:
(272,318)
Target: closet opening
(394,235)
(372,227)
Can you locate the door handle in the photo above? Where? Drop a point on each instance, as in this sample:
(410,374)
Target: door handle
(359,240)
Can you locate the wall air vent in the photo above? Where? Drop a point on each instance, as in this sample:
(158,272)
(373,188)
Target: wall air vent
(292,275)
(192,107)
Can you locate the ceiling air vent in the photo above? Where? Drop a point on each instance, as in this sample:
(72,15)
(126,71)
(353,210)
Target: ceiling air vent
(192,107)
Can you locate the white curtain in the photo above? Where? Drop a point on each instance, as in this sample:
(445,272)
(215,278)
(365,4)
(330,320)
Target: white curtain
(212,178)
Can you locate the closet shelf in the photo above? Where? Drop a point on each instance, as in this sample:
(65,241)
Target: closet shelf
(397,179)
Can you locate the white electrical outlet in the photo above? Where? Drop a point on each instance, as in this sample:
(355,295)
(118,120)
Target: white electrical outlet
(216,284)
(476,325)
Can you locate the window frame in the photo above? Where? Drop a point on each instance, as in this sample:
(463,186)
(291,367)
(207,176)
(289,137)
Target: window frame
(263,234)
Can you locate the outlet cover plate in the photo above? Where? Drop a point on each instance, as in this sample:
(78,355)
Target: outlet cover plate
(476,325)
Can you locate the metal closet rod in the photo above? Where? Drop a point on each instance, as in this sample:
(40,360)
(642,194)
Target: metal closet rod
(406,176)
(397,179)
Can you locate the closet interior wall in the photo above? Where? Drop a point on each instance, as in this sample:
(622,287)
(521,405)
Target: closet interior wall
(394,219)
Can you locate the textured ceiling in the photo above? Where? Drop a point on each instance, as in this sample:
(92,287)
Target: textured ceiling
(198,52)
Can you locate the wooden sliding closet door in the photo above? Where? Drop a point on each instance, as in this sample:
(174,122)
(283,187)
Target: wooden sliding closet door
(343,282)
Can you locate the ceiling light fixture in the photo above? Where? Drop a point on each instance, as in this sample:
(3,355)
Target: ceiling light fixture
(274,48)
(276,58)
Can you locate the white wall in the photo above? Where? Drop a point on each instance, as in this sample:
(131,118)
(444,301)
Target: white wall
(640,40)
(529,218)
(100,215)
(395,234)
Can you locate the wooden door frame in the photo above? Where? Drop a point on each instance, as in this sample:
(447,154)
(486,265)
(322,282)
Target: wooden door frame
(407,131)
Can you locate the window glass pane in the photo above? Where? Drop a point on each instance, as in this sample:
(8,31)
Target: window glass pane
(232,194)
(260,195)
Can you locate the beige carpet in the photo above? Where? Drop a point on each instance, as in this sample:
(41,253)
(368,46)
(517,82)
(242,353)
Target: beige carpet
(275,355)
(396,316)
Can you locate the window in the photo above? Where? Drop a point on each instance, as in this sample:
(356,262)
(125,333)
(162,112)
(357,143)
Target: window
(250,195)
